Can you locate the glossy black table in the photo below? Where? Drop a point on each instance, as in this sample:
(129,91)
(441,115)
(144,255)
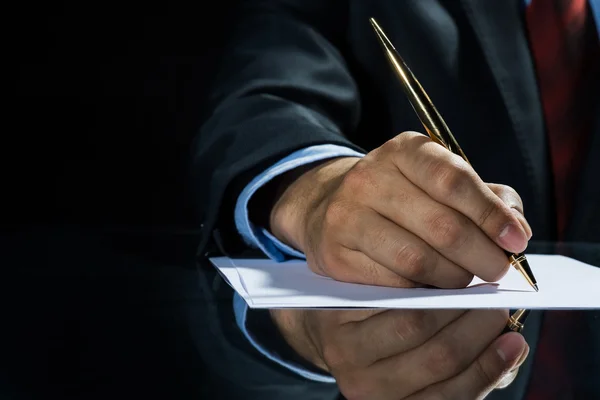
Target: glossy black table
(102,313)
(582,328)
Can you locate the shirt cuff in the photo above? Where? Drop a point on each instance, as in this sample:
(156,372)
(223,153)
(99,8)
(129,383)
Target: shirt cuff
(274,248)
(259,237)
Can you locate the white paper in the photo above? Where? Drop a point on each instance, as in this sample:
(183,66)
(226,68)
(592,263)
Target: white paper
(564,283)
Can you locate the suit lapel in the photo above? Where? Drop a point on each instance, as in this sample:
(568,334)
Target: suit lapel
(499,28)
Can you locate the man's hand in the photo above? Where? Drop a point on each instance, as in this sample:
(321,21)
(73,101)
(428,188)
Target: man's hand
(407,354)
(410,213)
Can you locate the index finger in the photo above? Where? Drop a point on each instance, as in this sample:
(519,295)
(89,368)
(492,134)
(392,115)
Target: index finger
(450,180)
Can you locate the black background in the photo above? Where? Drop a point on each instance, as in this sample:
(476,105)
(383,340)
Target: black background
(106,100)
(102,103)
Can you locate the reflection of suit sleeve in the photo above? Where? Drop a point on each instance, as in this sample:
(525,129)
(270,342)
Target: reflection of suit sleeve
(230,367)
(259,237)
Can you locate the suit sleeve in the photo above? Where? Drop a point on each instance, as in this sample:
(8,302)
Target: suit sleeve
(283,86)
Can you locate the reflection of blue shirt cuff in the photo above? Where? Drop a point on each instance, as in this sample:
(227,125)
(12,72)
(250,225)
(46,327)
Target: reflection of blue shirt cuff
(271,246)
(241,309)
(259,237)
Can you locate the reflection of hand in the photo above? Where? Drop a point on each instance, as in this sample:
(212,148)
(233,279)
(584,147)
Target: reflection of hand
(410,213)
(407,354)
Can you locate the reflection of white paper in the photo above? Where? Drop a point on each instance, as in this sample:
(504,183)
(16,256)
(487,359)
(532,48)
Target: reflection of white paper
(564,284)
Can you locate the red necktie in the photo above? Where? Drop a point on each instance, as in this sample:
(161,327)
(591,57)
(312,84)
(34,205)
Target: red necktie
(564,45)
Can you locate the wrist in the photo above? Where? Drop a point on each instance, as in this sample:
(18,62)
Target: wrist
(301,195)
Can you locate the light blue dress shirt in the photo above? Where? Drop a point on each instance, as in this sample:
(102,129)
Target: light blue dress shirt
(259,237)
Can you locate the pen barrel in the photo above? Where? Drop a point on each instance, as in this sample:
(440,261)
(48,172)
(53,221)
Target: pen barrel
(429,116)
(439,132)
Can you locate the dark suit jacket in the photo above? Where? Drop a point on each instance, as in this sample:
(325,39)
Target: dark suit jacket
(304,72)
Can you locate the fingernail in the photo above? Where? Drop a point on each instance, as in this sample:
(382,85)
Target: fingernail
(509,347)
(513,238)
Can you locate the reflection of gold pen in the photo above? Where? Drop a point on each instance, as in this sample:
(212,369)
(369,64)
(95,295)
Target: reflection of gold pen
(516,322)
(439,132)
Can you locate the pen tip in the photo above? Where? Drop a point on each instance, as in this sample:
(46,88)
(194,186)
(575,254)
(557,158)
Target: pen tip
(536,288)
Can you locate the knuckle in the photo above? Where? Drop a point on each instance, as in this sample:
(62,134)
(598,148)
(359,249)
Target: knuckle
(450,176)
(412,260)
(509,196)
(443,360)
(413,137)
(507,191)
(511,191)
(394,145)
(402,142)
(360,179)
(414,324)
(447,231)
(418,321)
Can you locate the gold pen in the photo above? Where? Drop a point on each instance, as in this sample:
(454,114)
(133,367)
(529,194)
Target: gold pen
(439,132)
